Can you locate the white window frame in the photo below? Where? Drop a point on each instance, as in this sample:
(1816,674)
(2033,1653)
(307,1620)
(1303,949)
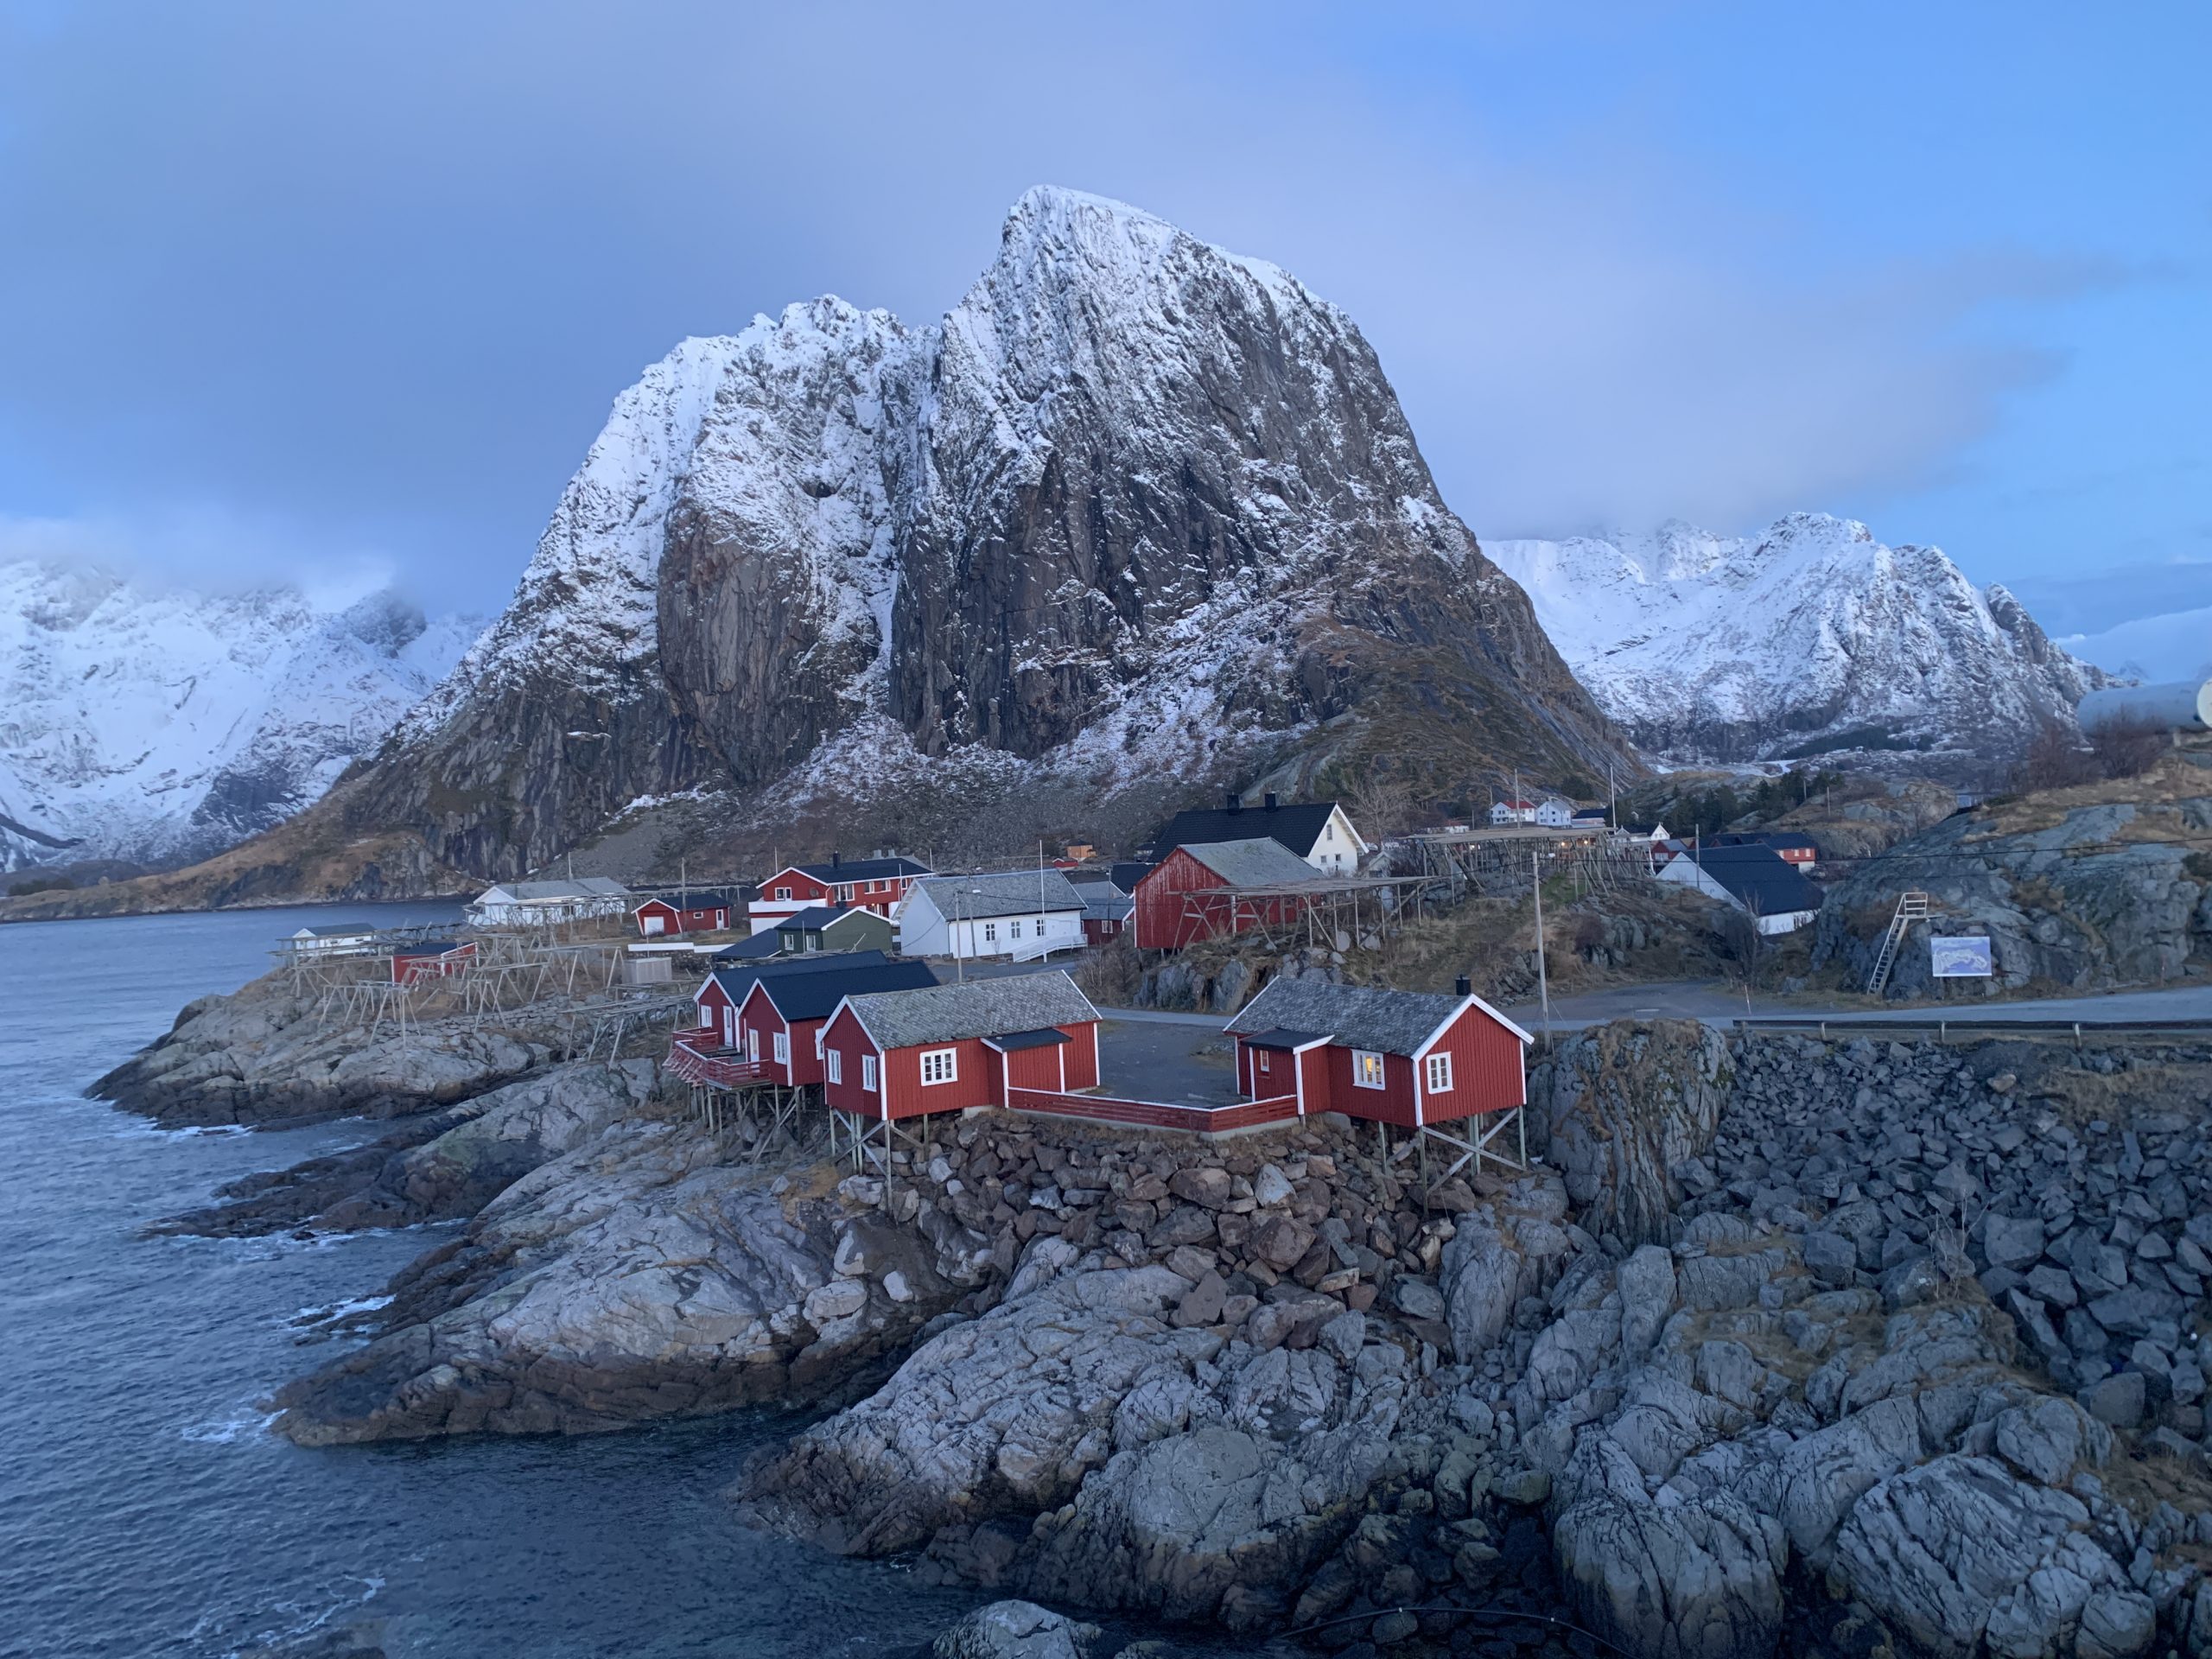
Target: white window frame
(867,1072)
(780,1046)
(1360,1057)
(1436,1073)
(817,1042)
(833,1064)
(940,1066)
(990,932)
(844,894)
(1266,1063)
(783,895)
(1013,929)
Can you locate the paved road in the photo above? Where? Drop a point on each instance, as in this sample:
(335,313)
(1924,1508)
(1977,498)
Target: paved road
(1717,1004)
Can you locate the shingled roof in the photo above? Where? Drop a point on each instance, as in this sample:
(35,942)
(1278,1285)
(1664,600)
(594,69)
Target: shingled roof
(982,1007)
(1360,1016)
(1010,892)
(1257,861)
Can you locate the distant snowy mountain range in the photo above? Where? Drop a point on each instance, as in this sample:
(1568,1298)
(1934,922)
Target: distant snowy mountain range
(155,725)
(1811,638)
(2175,647)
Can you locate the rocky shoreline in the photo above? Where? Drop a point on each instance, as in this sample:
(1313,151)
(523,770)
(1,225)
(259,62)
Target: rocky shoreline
(1837,1348)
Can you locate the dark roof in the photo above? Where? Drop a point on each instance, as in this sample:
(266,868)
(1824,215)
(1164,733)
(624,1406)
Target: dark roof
(1127,871)
(1014,1041)
(435,948)
(764,944)
(1597,813)
(1297,824)
(814,917)
(860,869)
(1280,1038)
(1755,876)
(1262,862)
(338,929)
(737,977)
(816,996)
(1777,839)
(696,898)
(1361,1016)
(982,1007)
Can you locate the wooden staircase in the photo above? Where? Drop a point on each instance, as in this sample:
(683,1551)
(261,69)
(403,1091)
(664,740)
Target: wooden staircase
(1912,906)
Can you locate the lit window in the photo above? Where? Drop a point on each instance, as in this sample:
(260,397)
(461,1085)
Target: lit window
(867,1072)
(1440,1074)
(783,1048)
(1366,1068)
(940,1064)
(833,1061)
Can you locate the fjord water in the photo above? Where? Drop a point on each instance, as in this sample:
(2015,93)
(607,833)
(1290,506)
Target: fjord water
(144,1507)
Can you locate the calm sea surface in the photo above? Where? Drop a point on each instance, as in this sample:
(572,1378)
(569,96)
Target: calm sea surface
(143,1508)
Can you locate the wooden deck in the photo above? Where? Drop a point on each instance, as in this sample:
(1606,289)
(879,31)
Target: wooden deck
(698,1057)
(1153,1114)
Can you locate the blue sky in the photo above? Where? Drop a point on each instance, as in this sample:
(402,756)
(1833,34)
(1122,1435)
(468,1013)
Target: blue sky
(303,289)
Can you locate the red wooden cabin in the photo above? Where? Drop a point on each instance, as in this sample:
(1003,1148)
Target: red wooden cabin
(698,911)
(876,884)
(779,1021)
(899,1054)
(723,991)
(1403,1058)
(1215,889)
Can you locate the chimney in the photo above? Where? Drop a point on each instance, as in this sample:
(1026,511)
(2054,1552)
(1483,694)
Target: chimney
(1272,802)
(1236,803)
(1463,985)
(836,859)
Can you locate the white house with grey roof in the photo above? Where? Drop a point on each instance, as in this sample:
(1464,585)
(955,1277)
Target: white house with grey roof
(1018,915)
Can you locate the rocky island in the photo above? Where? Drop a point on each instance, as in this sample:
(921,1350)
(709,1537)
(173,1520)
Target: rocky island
(1838,1347)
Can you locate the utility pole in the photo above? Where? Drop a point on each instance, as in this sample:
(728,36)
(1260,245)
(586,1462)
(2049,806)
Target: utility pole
(1543,983)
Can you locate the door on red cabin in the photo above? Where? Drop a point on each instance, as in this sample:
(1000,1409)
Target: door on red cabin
(752,1045)
(729,1028)
(654,923)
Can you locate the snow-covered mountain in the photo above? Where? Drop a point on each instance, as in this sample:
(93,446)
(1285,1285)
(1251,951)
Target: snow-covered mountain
(1809,638)
(153,724)
(1137,516)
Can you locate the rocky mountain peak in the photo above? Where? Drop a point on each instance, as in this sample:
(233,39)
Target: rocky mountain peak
(1811,637)
(1137,516)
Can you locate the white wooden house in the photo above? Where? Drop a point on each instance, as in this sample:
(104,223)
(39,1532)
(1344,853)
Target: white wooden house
(1020,914)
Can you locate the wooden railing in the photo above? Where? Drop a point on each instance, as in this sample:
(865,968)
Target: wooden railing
(1154,1114)
(697,1056)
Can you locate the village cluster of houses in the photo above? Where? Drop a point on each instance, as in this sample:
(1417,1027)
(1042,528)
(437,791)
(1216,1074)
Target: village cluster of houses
(880,1039)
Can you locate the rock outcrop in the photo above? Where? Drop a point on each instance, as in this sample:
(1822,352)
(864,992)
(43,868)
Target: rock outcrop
(443,1165)
(263,1055)
(635,1277)
(2087,888)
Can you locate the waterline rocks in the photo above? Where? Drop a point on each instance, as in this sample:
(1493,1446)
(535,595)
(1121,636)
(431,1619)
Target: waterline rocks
(438,1166)
(261,1055)
(636,1277)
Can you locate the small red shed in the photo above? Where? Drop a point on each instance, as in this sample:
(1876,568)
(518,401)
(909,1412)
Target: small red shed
(1405,1058)
(1215,889)
(698,911)
(414,963)
(898,1054)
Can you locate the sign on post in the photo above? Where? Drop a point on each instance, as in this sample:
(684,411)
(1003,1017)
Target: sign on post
(1960,958)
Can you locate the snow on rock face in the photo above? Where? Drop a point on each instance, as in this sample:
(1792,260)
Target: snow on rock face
(1811,638)
(1138,512)
(155,724)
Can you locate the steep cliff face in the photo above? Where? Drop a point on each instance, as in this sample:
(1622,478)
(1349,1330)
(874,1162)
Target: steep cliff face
(1137,512)
(1809,638)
